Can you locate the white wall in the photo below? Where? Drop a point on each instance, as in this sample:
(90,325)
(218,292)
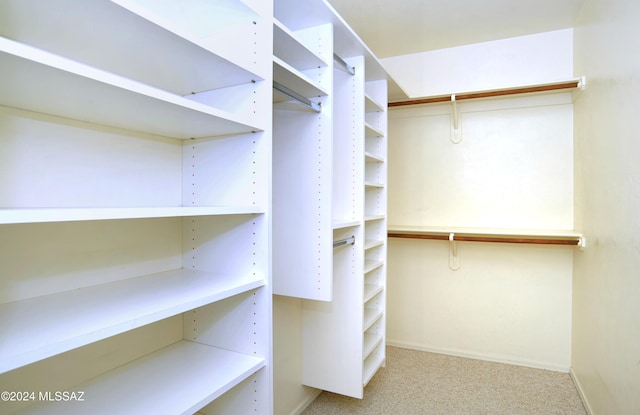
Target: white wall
(606,326)
(513,169)
(503,63)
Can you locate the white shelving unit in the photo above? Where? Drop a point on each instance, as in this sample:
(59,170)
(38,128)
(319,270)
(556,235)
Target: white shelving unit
(135,213)
(330,185)
(302,166)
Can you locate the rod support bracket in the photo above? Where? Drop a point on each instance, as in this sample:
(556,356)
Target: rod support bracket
(454,260)
(456,136)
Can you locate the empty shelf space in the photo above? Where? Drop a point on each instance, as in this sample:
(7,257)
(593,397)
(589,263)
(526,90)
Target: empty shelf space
(372,158)
(41,215)
(42,327)
(122,103)
(369,218)
(345,223)
(371,131)
(180,41)
(531,236)
(370,291)
(288,47)
(290,77)
(371,366)
(371,105)
(370,265)
(370,317)
(217,27)
(372,243)
(371,341)
(179,379)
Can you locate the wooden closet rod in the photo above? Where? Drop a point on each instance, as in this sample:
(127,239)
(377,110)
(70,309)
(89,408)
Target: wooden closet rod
(490,94)
(503,239)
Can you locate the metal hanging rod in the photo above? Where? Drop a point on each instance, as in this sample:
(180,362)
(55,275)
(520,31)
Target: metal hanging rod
(346,241)
(344,64)
(301,99)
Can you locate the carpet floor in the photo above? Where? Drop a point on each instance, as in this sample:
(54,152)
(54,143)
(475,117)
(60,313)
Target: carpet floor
(421,383)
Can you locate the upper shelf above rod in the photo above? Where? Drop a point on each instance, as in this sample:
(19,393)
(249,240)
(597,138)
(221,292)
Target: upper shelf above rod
(517,236)
(578,83)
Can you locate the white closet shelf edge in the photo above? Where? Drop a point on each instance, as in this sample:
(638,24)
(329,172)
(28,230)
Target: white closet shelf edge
(42,327)
(157,111)
(158,380)
(506,232)
(40,215)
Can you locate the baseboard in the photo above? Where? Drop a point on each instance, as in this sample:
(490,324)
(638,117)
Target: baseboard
(303,405)
(478,356)
(578,386)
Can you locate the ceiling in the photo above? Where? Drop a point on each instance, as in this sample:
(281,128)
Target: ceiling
(400,27)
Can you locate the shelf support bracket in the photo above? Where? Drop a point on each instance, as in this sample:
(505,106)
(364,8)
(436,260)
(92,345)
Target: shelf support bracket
(344,65)
(454,261)
(456,137)
(294,95)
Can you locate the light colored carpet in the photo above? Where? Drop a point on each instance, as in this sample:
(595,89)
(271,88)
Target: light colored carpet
(421,383)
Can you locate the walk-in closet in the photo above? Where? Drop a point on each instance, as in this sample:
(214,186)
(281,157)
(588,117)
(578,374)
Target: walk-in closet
(287,207)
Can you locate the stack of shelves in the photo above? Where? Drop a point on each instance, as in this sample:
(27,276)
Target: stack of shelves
(135,213)
(302,157)
(375,223)
(330,185)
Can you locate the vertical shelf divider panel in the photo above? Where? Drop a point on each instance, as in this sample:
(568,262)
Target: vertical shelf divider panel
(302,187)
(151,253)
(332,341)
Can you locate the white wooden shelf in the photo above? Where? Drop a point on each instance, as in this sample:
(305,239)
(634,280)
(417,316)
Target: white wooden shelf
(370,291)
(42,327)
(288,47)
(371,131)
(371,105)
(370,265)
(372,243)
(287,75)
(371,365)
(40,215)
(374,185)
(218,27)
(193,40)
(371,341)
(36,73)
(532,236)
(155,384)
(345,223)
(372,158)
(370,218)
(370,317)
